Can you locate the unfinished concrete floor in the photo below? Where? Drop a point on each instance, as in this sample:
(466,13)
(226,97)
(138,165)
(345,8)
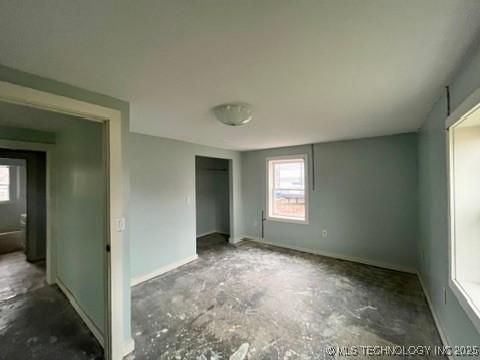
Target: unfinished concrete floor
(264,302)
(18,276)
(36,320)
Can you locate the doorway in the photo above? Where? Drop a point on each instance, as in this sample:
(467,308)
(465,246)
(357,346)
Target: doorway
(212,199)
(117,339)
(23,203)
(22,223)
(69,164)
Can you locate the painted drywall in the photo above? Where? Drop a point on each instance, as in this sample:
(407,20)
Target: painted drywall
(81,215)
(365,197)
(21,134)
(36,82)
(453,321)
(212,197)
(162,211)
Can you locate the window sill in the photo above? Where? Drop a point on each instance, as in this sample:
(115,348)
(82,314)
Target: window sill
(468,295)
(288,220)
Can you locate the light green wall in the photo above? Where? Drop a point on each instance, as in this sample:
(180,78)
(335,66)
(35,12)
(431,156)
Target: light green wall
(454,323)
(162,223)
(19,134)
(365,197)
(81,215)
(39,83)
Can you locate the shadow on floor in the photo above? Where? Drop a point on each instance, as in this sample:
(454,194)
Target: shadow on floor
(207,241)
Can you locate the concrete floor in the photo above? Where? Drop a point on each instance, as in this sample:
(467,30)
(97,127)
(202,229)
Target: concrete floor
(18,276)
(260,302)
(36,320)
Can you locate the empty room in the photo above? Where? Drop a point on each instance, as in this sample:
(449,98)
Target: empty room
(226,179)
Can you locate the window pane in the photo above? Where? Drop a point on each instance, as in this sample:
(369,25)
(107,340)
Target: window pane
(4,175)
(289,175)
(289,203)
(4,193)
(4,183)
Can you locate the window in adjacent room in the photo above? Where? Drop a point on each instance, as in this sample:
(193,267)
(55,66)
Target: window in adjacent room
(287,188)
(4,183)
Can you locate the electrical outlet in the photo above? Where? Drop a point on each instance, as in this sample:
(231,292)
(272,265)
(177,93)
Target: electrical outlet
(324,233)
(187,200)
(255,223)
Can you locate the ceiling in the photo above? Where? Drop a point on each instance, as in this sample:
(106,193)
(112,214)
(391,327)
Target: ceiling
(20,116)
(313,71)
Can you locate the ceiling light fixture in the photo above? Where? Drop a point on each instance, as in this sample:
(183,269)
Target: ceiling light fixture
(234,114)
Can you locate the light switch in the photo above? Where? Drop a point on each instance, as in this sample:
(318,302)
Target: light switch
(120,224)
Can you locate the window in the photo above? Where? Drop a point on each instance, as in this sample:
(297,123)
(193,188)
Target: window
(287,189)
(464,219)
(4,183)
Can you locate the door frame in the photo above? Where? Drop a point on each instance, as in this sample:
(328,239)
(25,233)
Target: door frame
(231,223)
(114,346)
(48,149)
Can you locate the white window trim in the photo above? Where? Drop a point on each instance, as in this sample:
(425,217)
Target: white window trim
(267,189)
(470,306)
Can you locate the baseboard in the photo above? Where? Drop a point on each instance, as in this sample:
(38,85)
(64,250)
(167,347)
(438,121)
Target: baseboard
(211,233)
(443,336)
(137,280)
(86,319)
(336,256)
(128,347)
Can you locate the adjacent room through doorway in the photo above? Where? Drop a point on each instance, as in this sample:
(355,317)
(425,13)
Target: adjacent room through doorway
(52,233)
(13,204)
(212,199)
(22,222)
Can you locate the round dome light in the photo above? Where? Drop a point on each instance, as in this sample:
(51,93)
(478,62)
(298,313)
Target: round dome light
(234,114)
